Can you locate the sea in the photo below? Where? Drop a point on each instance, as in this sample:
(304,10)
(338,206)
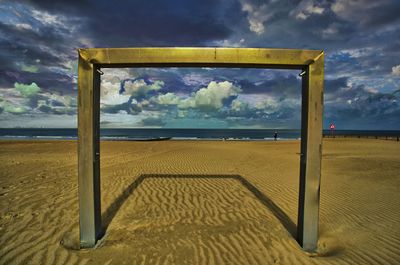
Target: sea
(143,134)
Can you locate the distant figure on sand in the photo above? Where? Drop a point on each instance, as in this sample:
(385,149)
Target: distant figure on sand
(276,135)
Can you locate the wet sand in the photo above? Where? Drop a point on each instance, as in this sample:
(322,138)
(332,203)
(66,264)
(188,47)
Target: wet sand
(200,202)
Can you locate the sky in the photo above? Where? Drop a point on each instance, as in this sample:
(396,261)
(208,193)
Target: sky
(38,62)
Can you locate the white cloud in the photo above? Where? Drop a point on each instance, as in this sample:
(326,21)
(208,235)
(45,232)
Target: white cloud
(66,100)
(238,105)
(49,19)
(396,70)
(86,42)
(116,74)
(140,87)
(305,9)
(195,79)
(187,103)
(23,26)
(29,68)
(256,16)
(207,98)
(114,99)
(214,94)
(168,99)
(111,85)
(182,113)
(301,16)
(230,43)
(268,105)
(356,10)
(29,98)
(345,9)
(330,32)
(357,53)
(27,90)
(109,93)
(13,107)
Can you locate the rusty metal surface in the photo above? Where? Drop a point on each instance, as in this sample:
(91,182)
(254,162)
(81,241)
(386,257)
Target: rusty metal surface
(92,59)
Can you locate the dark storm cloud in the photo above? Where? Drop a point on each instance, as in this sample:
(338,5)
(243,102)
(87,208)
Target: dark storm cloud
(360,47)
(355,107)
(280,86)
(333,85)
(36,47)
(57,6)
(24,46)
(339,25)
(51,82)
(367,13)
(330,25)
(38,41)
(21,38)
(45,34)
(139,23)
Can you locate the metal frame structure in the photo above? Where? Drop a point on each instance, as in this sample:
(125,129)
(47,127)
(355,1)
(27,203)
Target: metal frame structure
(91,60)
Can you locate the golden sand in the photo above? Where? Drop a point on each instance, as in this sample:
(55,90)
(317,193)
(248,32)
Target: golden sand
(200,202)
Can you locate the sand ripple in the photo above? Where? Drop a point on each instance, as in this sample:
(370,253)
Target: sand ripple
(178,202)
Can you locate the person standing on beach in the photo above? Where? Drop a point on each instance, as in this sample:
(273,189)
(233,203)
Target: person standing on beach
(276,135)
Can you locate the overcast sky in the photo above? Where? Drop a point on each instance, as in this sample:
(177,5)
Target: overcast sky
(38,55)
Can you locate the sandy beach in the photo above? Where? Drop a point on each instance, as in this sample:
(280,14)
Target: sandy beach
(200,202)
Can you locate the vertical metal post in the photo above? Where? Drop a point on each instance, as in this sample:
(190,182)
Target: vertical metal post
(88,152)
(311,154)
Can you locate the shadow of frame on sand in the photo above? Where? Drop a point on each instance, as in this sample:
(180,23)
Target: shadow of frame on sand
(112,210)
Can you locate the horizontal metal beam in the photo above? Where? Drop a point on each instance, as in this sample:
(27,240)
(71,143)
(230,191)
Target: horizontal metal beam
(214,57)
